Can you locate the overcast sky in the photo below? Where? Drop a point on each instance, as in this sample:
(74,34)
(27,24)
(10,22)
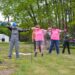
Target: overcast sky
(1,17)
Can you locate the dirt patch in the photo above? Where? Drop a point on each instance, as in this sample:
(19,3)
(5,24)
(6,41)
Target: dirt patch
(6,72)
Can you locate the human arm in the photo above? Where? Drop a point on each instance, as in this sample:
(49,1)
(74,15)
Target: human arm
(62,30)
(33,36)
(23,30)
(49,29)
(9,27)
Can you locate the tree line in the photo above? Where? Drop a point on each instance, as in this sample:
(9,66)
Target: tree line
(28,13)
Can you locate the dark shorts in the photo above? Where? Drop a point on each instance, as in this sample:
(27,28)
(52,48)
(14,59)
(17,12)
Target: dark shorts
(39,43)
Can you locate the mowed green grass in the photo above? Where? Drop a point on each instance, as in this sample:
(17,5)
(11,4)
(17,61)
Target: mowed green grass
(49,64)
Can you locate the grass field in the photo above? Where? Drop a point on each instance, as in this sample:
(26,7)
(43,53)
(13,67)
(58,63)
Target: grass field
(49,64)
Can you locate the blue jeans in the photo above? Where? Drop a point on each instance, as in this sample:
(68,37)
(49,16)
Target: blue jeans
(56,43)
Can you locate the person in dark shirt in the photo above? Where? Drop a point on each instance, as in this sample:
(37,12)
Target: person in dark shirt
(66,43)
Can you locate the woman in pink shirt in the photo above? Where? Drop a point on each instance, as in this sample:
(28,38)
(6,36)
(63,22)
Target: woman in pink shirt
(39,38)
(55,37)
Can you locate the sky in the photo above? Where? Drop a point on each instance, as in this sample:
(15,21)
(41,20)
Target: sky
(1,17)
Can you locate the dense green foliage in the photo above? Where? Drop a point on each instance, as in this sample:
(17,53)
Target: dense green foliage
(28,13)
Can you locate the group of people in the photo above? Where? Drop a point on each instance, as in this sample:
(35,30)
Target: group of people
(38,38)
(54,33)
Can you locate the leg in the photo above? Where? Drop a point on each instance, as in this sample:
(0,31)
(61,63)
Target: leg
(11,48)
(68,48)
(17,48)
(64,46)
(36,47)
(57,46)
(51,46)
(47,44)
(41,47)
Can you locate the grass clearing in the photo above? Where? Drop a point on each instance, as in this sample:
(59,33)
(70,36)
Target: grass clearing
(49,64)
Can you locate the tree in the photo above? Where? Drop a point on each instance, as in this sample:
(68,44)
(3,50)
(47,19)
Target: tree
(28,13)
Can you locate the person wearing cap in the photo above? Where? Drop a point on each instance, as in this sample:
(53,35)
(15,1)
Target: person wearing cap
(14,39)
(55,37)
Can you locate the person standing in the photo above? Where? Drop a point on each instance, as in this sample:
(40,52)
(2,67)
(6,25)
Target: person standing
(39,39)
(47,40)
(14,39)
(66,43)
(55,37)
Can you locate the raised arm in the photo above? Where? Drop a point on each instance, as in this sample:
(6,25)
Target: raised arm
(62,30)
(9,27)
(23,30)
(49,29)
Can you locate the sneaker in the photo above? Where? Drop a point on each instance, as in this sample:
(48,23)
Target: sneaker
(35,54)
(1,62)
(42,54)
(9,57)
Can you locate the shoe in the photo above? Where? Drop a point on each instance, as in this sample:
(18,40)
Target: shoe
(69,53)
(35,54)
(42,54)
(9,57)
(1,62)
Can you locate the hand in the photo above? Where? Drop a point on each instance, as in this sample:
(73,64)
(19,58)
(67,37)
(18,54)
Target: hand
(65,30)
(49,28)
(33,28)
